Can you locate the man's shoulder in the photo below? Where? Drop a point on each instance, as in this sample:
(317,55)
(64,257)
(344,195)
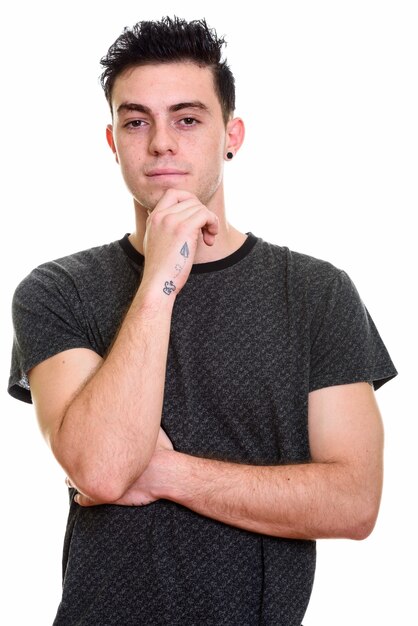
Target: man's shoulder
(101,255)
(89,265)
(298,265)
(82,260)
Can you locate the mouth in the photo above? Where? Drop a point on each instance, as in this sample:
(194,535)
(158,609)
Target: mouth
(160,172)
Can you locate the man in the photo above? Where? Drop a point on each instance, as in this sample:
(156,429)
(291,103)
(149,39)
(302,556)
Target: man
(207,393)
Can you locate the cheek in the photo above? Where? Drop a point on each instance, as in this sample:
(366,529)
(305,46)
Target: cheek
(211,174)
(217,157)
(128,148)
(130,169)
(130,162)
(211,155)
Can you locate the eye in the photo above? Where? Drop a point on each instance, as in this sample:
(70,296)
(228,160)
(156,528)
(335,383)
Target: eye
(188,121)
(135,124)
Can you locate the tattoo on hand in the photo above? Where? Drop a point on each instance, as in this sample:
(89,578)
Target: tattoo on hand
(185,254)
(169,287)
(185,250)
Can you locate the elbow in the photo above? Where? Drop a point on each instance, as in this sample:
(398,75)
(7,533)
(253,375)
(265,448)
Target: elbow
(100,490)
(364,528)
(363,522)
(99,481)
(99,485)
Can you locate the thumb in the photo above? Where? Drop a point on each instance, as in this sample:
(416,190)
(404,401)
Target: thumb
(163,441)
(84,501)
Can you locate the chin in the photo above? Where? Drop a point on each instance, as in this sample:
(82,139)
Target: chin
(150,201)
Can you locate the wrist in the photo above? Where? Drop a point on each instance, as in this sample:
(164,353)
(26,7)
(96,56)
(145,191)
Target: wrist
(153,299)
(175,476)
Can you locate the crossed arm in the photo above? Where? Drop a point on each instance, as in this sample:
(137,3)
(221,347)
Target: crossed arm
(336,495)
(102,421)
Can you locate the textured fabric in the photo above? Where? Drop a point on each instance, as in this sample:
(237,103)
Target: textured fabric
(251,335)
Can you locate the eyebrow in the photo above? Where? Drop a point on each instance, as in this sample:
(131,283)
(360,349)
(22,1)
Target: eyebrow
(141,108)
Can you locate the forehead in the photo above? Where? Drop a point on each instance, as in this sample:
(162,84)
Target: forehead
(162,85)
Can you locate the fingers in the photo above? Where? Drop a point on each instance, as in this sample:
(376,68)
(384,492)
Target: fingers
(178,207)
(80,498)
(83,500)
(181,211)
(163,441)
(209,232)
(172,197)
(129,499)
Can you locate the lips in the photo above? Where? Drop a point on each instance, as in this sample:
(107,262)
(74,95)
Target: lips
(165,172)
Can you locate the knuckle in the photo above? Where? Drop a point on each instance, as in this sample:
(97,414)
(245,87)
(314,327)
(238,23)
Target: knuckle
(181,229)
(152,217)
(171,192)
(169,220)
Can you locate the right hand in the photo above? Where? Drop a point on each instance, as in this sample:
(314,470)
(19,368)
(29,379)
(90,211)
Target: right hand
(172,234)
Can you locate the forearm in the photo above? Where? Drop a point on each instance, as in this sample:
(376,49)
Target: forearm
(108,432)
(307,501)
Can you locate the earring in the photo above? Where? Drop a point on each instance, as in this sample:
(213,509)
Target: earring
(229,155)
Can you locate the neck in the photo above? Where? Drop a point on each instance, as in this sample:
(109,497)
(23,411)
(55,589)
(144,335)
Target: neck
(227,240)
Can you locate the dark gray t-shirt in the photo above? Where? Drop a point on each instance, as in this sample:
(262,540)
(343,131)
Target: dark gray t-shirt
(251,336)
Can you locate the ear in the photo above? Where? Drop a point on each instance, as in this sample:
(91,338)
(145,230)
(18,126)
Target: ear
(110,140)
(235,132)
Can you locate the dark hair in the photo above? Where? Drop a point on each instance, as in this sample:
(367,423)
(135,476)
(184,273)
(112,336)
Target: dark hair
(167,41)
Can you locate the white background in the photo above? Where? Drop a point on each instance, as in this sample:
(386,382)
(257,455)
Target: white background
(328,91)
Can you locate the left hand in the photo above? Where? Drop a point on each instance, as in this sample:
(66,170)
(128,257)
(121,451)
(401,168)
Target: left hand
(145,489)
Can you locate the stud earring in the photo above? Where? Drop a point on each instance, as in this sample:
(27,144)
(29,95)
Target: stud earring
(229,155)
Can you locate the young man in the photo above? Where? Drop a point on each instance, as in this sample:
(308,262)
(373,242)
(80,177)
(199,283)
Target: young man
(207,393)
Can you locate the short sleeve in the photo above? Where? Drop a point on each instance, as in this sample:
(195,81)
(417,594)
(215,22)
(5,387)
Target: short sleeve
(345,344)
(48,318)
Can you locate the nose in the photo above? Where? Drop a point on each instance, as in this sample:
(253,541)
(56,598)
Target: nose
(162,139)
